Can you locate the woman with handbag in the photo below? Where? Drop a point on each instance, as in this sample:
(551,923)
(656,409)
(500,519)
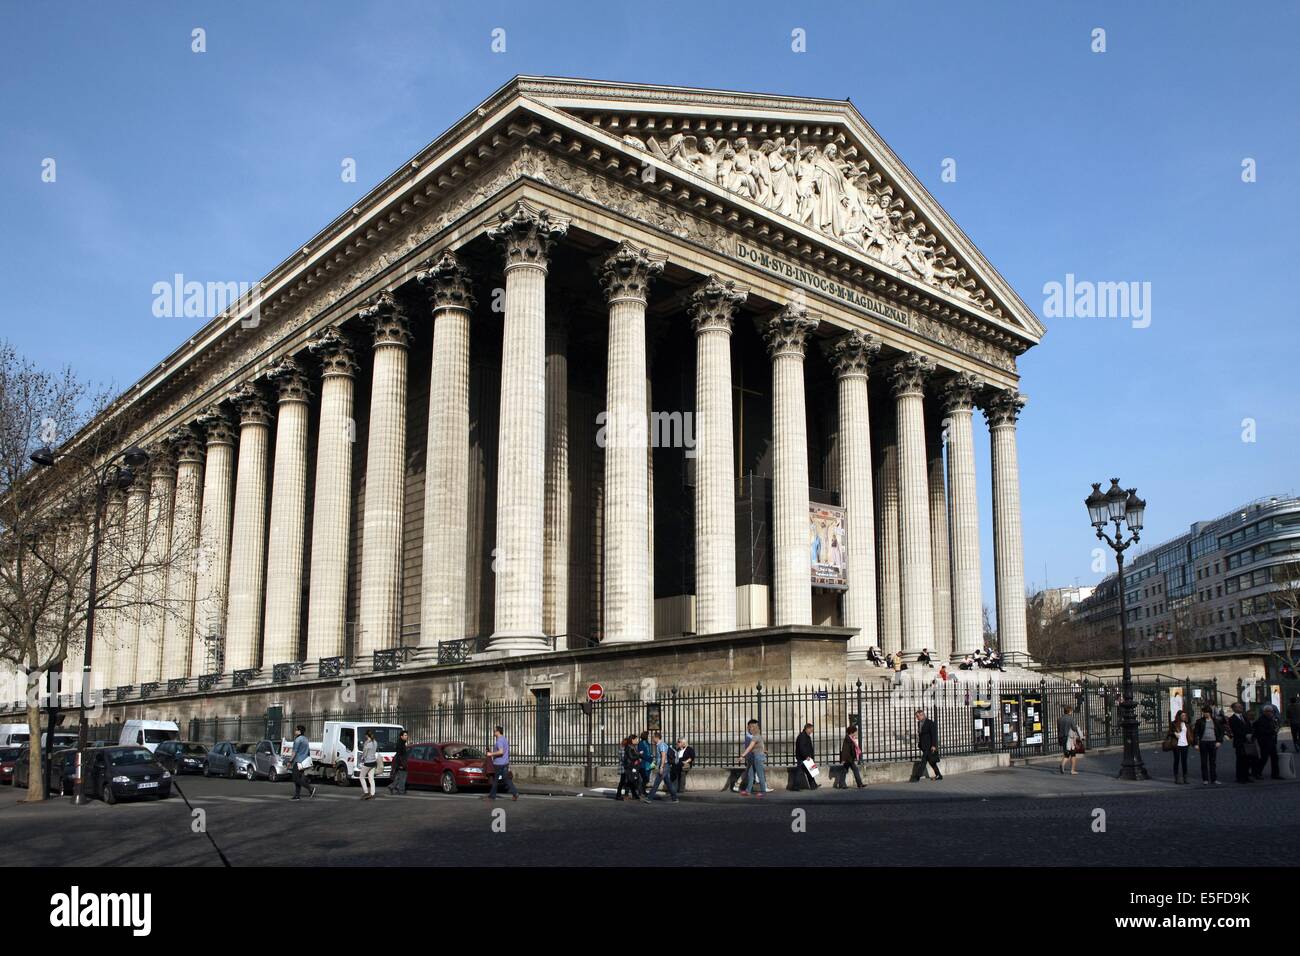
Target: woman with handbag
(850,754)
(369,761)
(1179,740)
(1070,737)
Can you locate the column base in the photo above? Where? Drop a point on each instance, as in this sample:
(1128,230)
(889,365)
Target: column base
(513,644)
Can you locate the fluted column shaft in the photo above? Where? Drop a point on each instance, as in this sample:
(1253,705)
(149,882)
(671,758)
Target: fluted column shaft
(1008,554)
(213,566)
(527,236)
(908,377)
(131,592)
(248,553)
(712,308)
(851,357)
(446,483)
(555,583)
(182,568)
(379,626)
(285,558)
(108,619)
(940,551)
(888,595)
(629,614)
(787,335)
(332,506)
(963,508)
(154,601)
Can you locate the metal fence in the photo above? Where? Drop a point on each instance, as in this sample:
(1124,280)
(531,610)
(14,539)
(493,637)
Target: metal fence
(971,717)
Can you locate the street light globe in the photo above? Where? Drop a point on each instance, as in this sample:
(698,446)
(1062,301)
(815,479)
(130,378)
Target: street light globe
(1096,505)
(1134,508)
(1116,500)
(45,456)
(135,457)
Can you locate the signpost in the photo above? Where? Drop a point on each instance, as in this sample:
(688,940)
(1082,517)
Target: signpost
(595,693)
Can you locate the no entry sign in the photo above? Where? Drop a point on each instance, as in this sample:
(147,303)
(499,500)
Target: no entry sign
(595,692)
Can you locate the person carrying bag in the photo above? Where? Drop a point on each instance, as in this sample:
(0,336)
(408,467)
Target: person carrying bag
(369,761)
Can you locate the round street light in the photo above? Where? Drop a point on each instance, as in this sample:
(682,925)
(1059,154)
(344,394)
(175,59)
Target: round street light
(1096,504)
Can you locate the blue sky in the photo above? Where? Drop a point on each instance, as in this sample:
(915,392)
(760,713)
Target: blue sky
(1117,166)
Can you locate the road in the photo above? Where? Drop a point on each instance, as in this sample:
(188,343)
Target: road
(1011,817)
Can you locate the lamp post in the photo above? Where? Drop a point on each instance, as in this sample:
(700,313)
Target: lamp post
(117,472)
(1121,508)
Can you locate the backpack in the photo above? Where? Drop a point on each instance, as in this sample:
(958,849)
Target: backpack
(672,757)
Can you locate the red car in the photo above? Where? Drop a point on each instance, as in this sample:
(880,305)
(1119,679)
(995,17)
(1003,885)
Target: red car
(449,767)
(8,755)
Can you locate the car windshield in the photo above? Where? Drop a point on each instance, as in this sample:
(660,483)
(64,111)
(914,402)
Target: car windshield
(159,736)
(385,737)
(194,750)
(8,753)
(245,748)
(19,738)
(462,752)
(131,758)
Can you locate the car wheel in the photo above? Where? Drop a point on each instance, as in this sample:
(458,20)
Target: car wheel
(341,776)
(205,771)
(449,782)
(109,797)
(250,773)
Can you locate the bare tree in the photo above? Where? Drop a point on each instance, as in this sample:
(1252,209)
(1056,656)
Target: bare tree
(1273,622)
(1052,635)
(47,517)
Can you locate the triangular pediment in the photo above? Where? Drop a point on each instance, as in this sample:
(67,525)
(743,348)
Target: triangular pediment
(813,163)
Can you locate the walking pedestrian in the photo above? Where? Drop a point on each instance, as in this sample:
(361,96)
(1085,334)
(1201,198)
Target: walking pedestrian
(756,753)
(1207,737)
(301,764)
(1266,737)
(742,783)
(685,754)
(500,754)
(630,766)
(1070,738)
(1178,741)
(803,757)
(663,770)
(850,754)
(927,739)
(1293,718)
(647,752)
(398,786)
(369,762)
(1239,729)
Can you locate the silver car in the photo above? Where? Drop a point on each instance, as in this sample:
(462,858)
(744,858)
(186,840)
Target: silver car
(268,762)
(231,759)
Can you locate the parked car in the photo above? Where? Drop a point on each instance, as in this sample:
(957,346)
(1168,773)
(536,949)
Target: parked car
(117,773)
(231,759)
(449,766)
(148,733)
(273,761)
(182,756)
(15,735)
(7,757)
(338,755)
(62,776)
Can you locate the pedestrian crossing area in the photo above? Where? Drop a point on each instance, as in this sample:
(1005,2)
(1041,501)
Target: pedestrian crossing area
(327,794)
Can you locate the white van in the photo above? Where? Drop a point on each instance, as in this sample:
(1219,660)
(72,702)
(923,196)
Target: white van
(15,735)
(148,733)
(338,755)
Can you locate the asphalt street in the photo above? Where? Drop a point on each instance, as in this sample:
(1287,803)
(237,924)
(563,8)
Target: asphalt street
(1028,815)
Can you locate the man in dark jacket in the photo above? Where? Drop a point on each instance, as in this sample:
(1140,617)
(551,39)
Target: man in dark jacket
(1266,736)
(398,786)
(1207,737)
(1293,718)
(927,739)
(1240,731)
(803,750)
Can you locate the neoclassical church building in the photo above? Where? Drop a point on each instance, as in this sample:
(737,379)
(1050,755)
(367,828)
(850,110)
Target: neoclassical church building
(607,372)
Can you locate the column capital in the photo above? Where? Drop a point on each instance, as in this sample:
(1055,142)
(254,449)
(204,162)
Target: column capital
(217,426)
(333,349)
(960,392)
(787,332)
(447,283)
(527,234)
(291,382)
(851,355)
(1002,407)
(713,304)
(907,375)
(162,461)
(387,319)
(187,444)
(626,272)
(250,400)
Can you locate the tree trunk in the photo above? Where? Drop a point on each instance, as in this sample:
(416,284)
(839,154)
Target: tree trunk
(35,779)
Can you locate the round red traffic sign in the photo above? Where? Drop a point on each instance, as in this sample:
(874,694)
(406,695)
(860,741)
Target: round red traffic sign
(595,692)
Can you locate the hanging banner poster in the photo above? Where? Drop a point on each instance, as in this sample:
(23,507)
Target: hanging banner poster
(827,558)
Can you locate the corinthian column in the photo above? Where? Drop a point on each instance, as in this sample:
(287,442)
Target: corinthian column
(940,551)
(888,594)
(626,277)
(1002,410)
(381,529)
(958,401)
(182,568)
(907,377)
(248,555)
(446,481)
(851,357)
(109,620)
(285,557)
(786,335)
(332,509)
(712,308)
(527,235)
(555,580)
(131,593)
(153,591)
(213,566)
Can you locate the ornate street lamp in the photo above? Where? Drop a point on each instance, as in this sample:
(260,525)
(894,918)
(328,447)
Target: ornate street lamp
(117,472)
(1121,508)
